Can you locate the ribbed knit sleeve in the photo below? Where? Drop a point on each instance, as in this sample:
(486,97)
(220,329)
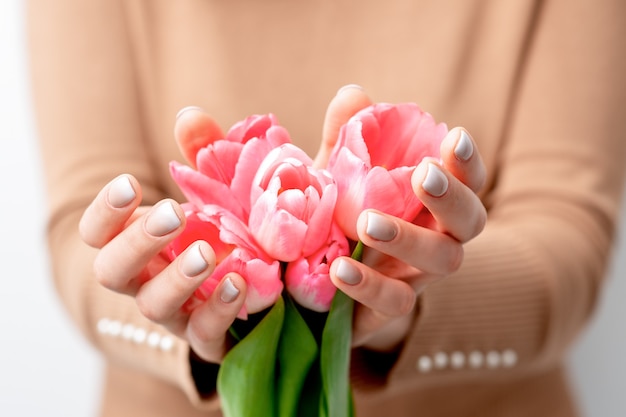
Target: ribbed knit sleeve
(91,130)
(530,281)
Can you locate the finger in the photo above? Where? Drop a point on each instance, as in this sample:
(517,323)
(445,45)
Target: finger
(428,250)
(377,332)
(161,298)
(461,158)
(108,213)
(208,324)
(456,208)
(346,103)
(194,130)
(119,264)
(388,297)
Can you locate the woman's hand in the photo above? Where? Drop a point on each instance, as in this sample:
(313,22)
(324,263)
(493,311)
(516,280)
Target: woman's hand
(401,259)
(131,237)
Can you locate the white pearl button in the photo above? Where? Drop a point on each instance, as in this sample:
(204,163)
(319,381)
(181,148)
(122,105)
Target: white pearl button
(509,358)
(154,338)
(127,331)
(457,360)
(103,325)
(441,360)
(114,328)
(424,364)
(139,335)
(166,344)
(476,359)
(493,359)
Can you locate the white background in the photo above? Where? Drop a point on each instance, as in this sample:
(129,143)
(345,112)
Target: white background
(47,369)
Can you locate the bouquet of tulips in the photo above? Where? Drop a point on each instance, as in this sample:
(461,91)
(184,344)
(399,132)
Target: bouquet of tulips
(279,222)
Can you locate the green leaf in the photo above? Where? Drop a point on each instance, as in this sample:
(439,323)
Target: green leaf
(246,379)
(297,352)
(335,358)
(335,354)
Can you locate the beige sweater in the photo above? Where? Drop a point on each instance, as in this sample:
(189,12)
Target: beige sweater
(539,84)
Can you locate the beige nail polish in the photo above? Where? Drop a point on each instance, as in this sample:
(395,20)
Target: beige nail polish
(162,220)
(229,292)
(348,87)
(121,192)
(379,227)
(436,182)
(193,262)
(348,273)
(464,148)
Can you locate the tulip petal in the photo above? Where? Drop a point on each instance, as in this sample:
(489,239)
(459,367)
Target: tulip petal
(246,168)
(278,232)
(391,192)
(218,160)
(263,280)
(198,229)
(320,218)
(351,137)
(308,280)
(349,173)
(311,289)
(253,126)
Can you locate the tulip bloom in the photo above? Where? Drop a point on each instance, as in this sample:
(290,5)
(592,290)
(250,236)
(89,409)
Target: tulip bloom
(292,220)
(198,227)
(236,251)
(374,158)
(293,205)
(308,280)
(226,167)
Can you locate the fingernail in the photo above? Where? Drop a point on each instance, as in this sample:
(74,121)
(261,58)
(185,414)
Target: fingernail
(162,220)
(229,292)
(186,109)
(347,87)
(464,148)
(435,183)
(348,273)
(121,192)
(379,227)
(194,263)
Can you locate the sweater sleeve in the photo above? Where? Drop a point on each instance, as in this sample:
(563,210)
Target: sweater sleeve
(90,129)
(531,280)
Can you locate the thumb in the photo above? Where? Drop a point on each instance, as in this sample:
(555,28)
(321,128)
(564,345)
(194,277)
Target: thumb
(347,102)
(195,129)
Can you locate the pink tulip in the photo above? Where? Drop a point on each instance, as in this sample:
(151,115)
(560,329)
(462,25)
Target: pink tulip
(308,280)
(198,227)
(226,167)
(236,251)
(374,158)
(293,205)
(262,278)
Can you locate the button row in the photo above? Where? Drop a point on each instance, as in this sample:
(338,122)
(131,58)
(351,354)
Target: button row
(474,360)
(138,335)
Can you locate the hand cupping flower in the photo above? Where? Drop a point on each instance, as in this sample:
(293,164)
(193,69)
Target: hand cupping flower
(279,222)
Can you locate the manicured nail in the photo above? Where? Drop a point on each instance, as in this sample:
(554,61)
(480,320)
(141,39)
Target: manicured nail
(162,220)
(347,87)
(435,183)
(193,262)
(229,292)
(348,273)
(121,192)
(464,148)
(186,109)
(379,227)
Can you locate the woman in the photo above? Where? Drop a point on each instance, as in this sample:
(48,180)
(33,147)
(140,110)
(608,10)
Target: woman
(539,86)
